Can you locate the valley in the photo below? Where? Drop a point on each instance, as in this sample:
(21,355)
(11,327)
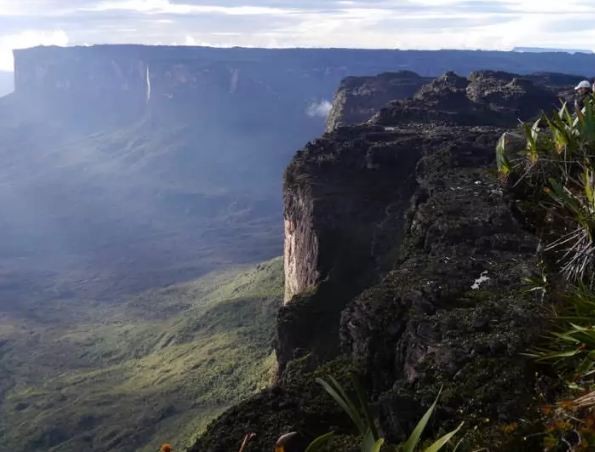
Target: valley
(141,371)
(141,200)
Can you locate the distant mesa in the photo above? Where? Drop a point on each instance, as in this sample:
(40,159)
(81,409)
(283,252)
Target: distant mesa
(547,50)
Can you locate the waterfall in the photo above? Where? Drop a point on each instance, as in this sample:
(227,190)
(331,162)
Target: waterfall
(148,84)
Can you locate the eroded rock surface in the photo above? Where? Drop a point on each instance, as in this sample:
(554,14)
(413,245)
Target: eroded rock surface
(405,254)
(454,313)
(360,98)
(485,98)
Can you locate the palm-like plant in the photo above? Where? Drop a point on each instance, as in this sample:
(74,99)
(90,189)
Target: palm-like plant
(556,165)
(572,347)
(361,415)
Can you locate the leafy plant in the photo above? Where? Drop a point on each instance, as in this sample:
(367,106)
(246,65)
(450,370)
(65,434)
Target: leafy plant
(551,168)
(359,411)
(361,415)
(554,167)
(572,348)
(571,351)
(413,441)
(320,443)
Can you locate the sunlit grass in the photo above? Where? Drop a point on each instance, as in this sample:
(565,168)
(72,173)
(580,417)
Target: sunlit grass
(150,371)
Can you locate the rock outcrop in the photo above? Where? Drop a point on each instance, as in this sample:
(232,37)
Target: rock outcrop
(454,312)
(360,98)
(404,254)
(493,98)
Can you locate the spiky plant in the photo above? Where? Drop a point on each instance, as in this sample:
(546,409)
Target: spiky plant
(553,163)
(571,348)
(361,415)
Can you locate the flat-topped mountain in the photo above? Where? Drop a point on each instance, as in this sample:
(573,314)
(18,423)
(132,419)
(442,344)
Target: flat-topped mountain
(127,168)
(124,81)
(170,157)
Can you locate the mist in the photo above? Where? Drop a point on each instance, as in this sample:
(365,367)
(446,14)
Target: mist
(6,83)
(141,191)
(104,185)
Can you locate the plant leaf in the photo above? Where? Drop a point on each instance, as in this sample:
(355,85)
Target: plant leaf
(442,441)
(336,391)
(319,442)
(415,436)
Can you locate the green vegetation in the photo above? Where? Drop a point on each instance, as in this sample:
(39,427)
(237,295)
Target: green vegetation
(153,369)
(553,174)
(573,349)
(361,415)
(555,171)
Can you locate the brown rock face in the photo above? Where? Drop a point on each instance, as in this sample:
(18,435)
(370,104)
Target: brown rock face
(344,199)
(301,245)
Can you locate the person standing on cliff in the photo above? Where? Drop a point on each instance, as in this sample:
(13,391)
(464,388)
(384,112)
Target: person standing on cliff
(583,92)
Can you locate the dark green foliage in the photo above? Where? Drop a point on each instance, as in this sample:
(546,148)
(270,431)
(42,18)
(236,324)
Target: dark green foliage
(571,348)
(296,403)
(360,413)
(154,368)
(552,173)
(554,168)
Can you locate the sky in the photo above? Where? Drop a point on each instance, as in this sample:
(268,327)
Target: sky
(404,24)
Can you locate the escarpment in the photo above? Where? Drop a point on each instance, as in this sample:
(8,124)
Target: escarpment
(406,261)
(359,98)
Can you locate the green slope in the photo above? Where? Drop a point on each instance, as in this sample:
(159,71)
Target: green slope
(131,376)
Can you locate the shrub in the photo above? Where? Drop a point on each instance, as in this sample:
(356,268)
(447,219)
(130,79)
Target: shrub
(554,167)
(550,166)
(361,415)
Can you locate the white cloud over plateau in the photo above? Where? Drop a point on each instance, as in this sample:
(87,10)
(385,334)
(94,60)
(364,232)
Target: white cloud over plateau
(25,39)
(406,24)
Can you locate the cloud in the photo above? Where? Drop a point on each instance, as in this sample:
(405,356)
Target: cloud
(407,24)
(28,38)
(319,109)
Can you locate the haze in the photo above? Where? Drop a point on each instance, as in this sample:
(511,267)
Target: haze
(143,196)
(407,24)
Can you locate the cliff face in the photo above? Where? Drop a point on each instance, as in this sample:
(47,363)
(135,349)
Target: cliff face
(404,254)
(412,195)
(215,83)
(346,195)
(78,81)
(453,312)
(359,98)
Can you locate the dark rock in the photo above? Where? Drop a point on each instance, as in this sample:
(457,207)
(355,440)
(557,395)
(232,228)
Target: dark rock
(454,301)
(403,251)
(485,98)
(297,404)
(344,205)
(360,98)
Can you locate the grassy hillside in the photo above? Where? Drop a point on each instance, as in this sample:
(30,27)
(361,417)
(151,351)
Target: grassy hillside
(91,376)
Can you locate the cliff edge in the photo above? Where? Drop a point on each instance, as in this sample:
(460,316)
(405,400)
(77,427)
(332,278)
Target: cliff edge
(406,261)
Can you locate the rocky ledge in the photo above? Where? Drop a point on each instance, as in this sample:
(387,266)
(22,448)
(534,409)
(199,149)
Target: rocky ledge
(406,261)
(359,98)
